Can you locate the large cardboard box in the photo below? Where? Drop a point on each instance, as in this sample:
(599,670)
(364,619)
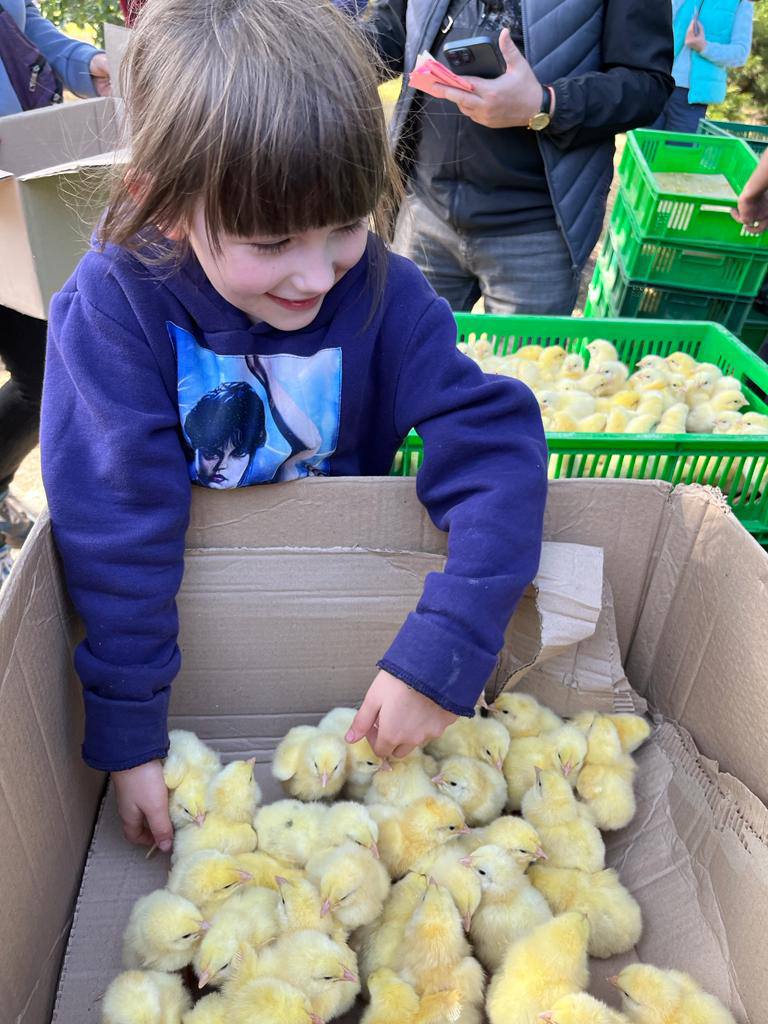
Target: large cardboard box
(290,594)
(53,165)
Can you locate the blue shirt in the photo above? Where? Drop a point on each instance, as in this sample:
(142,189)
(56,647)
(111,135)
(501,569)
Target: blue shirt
(69,58)
(154,382)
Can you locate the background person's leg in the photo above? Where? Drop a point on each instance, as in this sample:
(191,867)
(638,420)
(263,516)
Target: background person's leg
(683,116)
(436,249)
(526,274)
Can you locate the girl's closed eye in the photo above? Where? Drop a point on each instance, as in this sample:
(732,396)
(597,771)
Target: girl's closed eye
(276,247)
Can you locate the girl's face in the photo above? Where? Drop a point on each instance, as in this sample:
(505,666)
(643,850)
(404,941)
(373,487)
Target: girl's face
(281,281)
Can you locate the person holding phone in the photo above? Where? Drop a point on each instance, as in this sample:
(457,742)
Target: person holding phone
(506,184)
(711,36)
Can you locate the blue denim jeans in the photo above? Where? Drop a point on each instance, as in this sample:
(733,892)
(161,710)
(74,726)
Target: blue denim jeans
(679,115)
(513,273)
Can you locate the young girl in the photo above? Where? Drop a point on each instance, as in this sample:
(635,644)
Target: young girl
(236,250)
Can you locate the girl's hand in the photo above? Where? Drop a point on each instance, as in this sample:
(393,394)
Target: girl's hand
(694,37)
(142,803)
(395,719)
(753,209)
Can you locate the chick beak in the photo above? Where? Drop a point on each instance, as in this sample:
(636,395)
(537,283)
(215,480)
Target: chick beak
(465,830)
(547,1015)
(244,876)
(437,780)
(499,764)
(385,766)
(432,881)
(325,909)
(614,980)
(314,1019)
(540,855)
(280,881)
(324,779)
(199,819)
(374,850)
(204,926)
(467,922)
(537,772)
(204,978)
(349,976)
(567,769)
(466,861)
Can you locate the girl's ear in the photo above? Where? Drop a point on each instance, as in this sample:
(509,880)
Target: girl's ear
(138,185)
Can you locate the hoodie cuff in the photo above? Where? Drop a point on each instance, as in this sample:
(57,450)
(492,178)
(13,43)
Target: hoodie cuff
(79,78)
(439,664)
(121,734)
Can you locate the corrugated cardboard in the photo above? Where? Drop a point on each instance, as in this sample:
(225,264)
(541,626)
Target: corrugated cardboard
(115,41)
(52,162)
(695,856)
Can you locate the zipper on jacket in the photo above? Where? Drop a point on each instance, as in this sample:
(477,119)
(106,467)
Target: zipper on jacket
(36,69)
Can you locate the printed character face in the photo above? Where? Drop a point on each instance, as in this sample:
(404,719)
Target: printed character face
(221,467)
(279,280)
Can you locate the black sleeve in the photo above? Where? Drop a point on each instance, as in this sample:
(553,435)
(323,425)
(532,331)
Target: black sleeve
(383,22)
(632,88)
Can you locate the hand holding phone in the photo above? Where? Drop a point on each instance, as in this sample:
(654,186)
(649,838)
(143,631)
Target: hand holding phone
(478,55)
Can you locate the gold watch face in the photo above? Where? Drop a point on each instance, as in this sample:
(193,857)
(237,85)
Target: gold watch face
(539,121)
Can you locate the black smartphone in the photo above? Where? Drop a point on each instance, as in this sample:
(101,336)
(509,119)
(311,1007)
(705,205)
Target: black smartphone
(479,56)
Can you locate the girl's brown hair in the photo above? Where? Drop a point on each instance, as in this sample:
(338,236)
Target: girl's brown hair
(264,111)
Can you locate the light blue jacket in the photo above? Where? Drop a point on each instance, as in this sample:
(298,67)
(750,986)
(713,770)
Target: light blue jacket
(728,30)
(69,58)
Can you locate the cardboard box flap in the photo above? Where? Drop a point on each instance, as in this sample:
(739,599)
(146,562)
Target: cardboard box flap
(42,138)
(106,159)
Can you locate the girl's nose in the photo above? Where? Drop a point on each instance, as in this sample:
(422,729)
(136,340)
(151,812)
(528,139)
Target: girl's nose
(315,274)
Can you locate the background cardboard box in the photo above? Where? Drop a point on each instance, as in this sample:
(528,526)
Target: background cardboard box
(290,593)
(52,168)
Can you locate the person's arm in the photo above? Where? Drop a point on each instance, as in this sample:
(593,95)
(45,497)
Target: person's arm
(383,23)
(637,50)
(484,480)
(118,489)
(735,53)
(70,59)
(753,201)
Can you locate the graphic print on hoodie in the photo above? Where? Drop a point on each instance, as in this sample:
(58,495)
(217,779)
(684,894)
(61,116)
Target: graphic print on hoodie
(252,419)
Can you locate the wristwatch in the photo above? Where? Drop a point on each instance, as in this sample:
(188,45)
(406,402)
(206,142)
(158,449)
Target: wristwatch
(543,117)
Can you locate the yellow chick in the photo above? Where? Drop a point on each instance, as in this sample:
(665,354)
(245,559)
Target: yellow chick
(701,419)
(606,781)
(478,737)
(568,838)
(403,780)
(509,907)
(436,956)
(352,884)
(211,1009)
(572,366)
(652,361)
(627,399)
(269,1001)
(379,944)
(643,423)
(530,353)
(562,750)
(650,995)
(582,1008)
(445,867)
(289,830)
(681,362)
(540,968)
(300,908)
(563,423)
(188,801)
(615,923)
(727,422)
(233,793)
(601,351)
(187,753)
(263,869)
(407,834)
(324,970)
(248,916)
(348,822)
(522,715)
(633,730)
(477,787)
(145,997)
(206,878)
(756,419)
(310,763)
(162,932)
(362,762)
(215,833)
(575,403)
(551,359)
(513,834)
(673,420)
(394,1000)
(617,421)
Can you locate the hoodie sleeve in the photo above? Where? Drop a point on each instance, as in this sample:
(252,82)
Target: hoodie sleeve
(118,489)
(70,59)
(484,480)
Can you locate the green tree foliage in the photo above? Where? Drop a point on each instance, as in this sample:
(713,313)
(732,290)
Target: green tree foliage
(747,96)
(88,15)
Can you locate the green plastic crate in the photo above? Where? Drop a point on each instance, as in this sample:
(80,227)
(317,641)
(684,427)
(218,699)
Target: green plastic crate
(687,218)
(713,459)
(755,330)
(755,135)
(612,294)
(676,265)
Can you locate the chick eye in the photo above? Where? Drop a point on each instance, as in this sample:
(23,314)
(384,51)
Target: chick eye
(481,872)
(451,828)
(189,935)
(187,811)
(327,977)
(289,824)
(229,886)
(371,763)
(489,753)
(505,712)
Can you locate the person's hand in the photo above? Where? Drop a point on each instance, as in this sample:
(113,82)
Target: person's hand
(694,37)
(395,719)
(142,803)
(752,210)
(99,69)
(509,101)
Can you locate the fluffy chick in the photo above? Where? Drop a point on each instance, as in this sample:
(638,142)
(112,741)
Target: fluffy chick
(478,737)
(269,1000)
(568,838)
(188,801)
(563,750)
(403,780)
(310,763)
(348,822)
(509,906)
(145,997)
(300,908)
(248,916)
(538,969)
(289,830)
(393,999)
(606,781)
(581,1008)
(522,715)
(615,922)
(187,753)
(362,762)
(650,995)
(215,833)
(352,884)
(407,834)
(264,868)
(633,730)
(513,834)
(206,878)
(233,792)
(211,1009)
(477,787)
(445,867)
(162,932)
(379,944)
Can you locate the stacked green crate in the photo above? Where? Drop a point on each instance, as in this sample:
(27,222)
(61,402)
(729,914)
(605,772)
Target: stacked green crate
(676,254)
(755,135)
